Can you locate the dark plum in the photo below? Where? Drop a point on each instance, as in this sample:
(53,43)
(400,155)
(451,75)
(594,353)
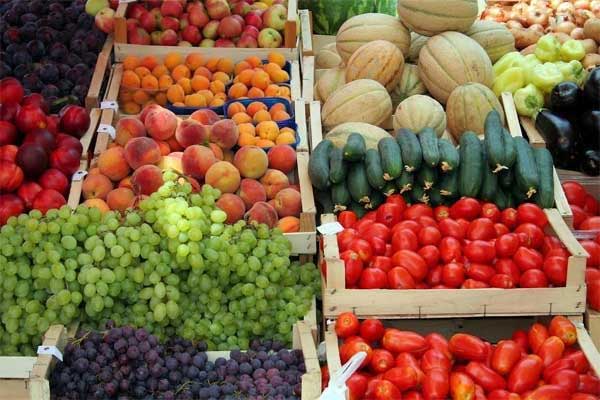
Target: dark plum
(73,59)
(56,7)
(58,52)
(11,16)
(32,159)
(46,35)
(5,70)
(28,31)
(65,71)
(21,70)
(21,57)
(48,143)
(28,17)
(89,59)
(37,49)
(50,91)
(78,46)
(56,20)
(49,73)
(11,35)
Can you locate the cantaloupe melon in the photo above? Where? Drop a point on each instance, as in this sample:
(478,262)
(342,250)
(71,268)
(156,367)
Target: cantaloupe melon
(494,37)
(409,85)
(379,60)
(430,17)
(329,82)
(371,133)
(327,57)
(416,44)
(418,112)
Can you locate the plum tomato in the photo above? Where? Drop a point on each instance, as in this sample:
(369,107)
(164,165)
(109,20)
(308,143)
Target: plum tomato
(389,214)
(551,350)
(435,359)
(593,294)
(417,210)
(491,211)
(527,259)
(377,244)
(467,208)
(533,278)
(436,384)
(480,272)
(384,263)
(502,281)
(371,330)
(485,376)
(431,255)
(480,251)
(353,267)
(453,275)
(509,217)
(396,199)
(346,325)
(441,212)
(591,205)
(373,278)
(534,235)
(555,269)
(348,349)
(381,361)
(468,347)
(347,218)
(413,262)
(429,235)
(593,249)
(345,237)
(461,386)
(398,341)
(501,229)
(481,229)
(450,249)
(564,329)
(530,212)
(400,278)
(362,248)
(403,378)
(474,284)
(575,193)
(506,354)
(526,374)
(536,336)
(450,227)
(405,240)
(357,385)
(507,245)
(380,389)
(377,229)
(579,215)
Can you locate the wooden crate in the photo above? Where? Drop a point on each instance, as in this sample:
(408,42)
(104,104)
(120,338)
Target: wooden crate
(447,303)
(290,35)
(491,329)
(101,72)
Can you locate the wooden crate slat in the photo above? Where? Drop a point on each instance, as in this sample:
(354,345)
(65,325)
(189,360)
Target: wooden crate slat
(15,368)
(592,320)
(296,81)
(290,37)
(308,78)
(103,63)
(534,136)
(302,130)
(316,129)
(306,33)
(87,138)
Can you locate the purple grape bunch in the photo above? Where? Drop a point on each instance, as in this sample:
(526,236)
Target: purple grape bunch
(125,363)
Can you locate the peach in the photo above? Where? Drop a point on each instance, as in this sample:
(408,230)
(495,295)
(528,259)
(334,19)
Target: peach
(197,160)
(288,203)
(125,182)
(274,181)
(190,132)
(223,176)
(282,157)
(174,144)
(120,199)
(94,171)
(205,116)
(233,206)
(251,191)
(289,224)
(217,151)
(225,133)
(146,179)
(147,110)
(262,213)
(113,164)
(129,128)
(161,123)
(171,162)
(252,161)
(97,203)
(142,151)
(163,147)
(96,186)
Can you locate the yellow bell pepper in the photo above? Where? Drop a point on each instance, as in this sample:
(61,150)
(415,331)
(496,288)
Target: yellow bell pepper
(530,62)
(509,60)
(572,71)
(546,76)
(510,80)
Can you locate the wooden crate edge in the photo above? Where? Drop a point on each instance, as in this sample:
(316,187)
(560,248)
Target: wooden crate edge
(103,62)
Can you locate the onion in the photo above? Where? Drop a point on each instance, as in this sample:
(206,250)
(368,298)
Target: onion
(581,16)
(539,4)
(577,33)
(595,7)
(512,24)
(567,17)
(537,28)
(564,8)
(554,4)
(494,13)
(565,27)
(519,13)
(590,46)
(582,4)
(561,36)
(537,16)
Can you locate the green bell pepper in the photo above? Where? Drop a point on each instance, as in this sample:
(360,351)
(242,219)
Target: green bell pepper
(546,76)
(509,60)
(548,48)
(572,50)
(528,64)
(572,71)
(528,100)
(510,80)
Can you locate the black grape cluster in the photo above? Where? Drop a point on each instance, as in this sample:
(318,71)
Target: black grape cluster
(126,363)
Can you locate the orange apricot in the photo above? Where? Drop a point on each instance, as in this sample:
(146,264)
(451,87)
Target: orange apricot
(131,108)
(186,84)
(149,82)
(217,87)
(241,66)
(246,139)
(161,98)
(247,128)
(225,65)
(164,82)
(238,90)
(280,115)
(254,61)
(142,71)
(272,90)
(175,94)
(140,97)
(195,100)
(200,82)
(160,70)
(194,61)
(245,77)
(203,71)
(255,106)
(255,93)
(277,58)
(180,71)
(235,108)
(212,64)
(172,60)
(130,63)
(149,62)
(130,80)
(241,118)
(267,130)
(261,116)
(220,76)
(260,80)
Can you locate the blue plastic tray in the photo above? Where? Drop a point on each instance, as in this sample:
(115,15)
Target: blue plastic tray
(269,102)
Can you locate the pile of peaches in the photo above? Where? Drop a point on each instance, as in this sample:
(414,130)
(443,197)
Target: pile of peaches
(254,183)
(199,82)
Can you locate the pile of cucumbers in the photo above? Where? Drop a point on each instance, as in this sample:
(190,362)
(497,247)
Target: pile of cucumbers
(423,168)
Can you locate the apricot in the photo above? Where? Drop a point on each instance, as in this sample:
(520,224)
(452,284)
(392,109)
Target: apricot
(247,128)
(254,61)
(131,107)
(96,186)
(288,202)
(190,132)
(225,65)
(265,143)
(251,191)
(252,162)
(238,90)
(149,82)
(261,116)
(205,116)
(113,164)
(159,71)
(146,179)
(241,66)
(130,80)
(225,133)
(260,80)
(195,100)
(200,82)
(130,63)
(203,71)
(282,157)
(289,224)
(254,107)
(172,60)
(140,97)
(267,130)
(246,139)
(255,93)
(165,82)
(262,213)
(161,123)
(272,90)
(233,206)
(97,203)
(194,61)
(129,128)
(175,94)
(180,71)
(234,108)
(120,199)
(186,85)
(197,160)
(142,71)
(280,116)
(149,62)
(142,151)
(217,87)
(223,176)
(274,181)
(241,118)
(277,58)
(245,77)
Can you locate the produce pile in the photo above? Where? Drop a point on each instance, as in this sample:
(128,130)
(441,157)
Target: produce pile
(172,266)
(50,47)
(541,363)
(125,362)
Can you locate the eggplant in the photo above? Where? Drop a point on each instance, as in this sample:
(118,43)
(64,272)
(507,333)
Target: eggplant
(565,96)
(591,163)
(591,90)
(560,137)
(590,129)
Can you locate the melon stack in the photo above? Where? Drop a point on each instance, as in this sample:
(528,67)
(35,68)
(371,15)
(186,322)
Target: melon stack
(429,67)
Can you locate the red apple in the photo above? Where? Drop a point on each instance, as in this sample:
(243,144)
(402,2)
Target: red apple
(210,30)
(35,99)
(8,111)
(269,38)
(114,4)
(229,27)
(224,43)
(66,160)
(207,43)
(169,38)
(11,176)
(275,17)
(138,36)
(43,138)
(197,15)
(11,91)
(132,24)
(54,179)
(154,3)
(8,133)
(53,121)
(191,34)
(217,9)
(156,37)
(184,21)
(250,30)
(169,23)
(10,205)
(33,159)
(148,22)
(29,118)
(171,8)
(247,41)
(8,153)
(135,10)
(48,199)
(68,141)
(105,20)
(241,8)
(74,120)
(254,18)
(27,192)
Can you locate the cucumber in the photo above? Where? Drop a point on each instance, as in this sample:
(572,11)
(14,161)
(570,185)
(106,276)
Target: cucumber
(510,199)
(391,159)
(419,195)
(545,195)
(355,147)
(494,142)
(470,173)
(510,152)
(501,200)
(337,166)
(449,158)
(340,196)
(358,209)
(389,188)
(374,171)
(506,178)
(377,199)
(526,171)
(358,184)
(410,148)
(407,197)
(323,198)
(405,182)
(517,195)
(448,185)
(318,165)
(429,147)
(426,177)
(489,185)
(435,198)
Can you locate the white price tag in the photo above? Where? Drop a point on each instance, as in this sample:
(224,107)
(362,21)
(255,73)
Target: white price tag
(52,350)
(109,105)
(108,129)
(79,175)
(127,1)
(330,228)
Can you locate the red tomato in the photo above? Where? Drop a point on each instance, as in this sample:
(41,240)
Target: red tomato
(396,199)
(435,359)
(381,361)
(462,386)
(583,396)
(575,193)
(388,250)
(436,384)
(362,225)
(534,235)
(429,235)
(589,384)
(526,374)
(533,278)
(373,278)
(509,217)
(425,221)
(378,230)
(536,336)
(481,229)
(450,249)
(530,212)
(441,212)
(555,269)
(480,272)
(501,229)
(347,218)
(508,267)
(348,349)
(479,251)
(564,329)
(567,379)
(549,392)
(371,330)
(400,278)
(371,216)
(380,389)
(502,281)
(414,395)
(405,240)
(434,276)
(346,325)
(467,208)
(491,211)
(453,275)
(593,294)
(561,252)
(413,262)
(438,342)
(407,224)
(450,227)
(377,244)
(591,205)
(389,214)
(551,350)
(404,360)
(398,341)
(417,210)
(506,354)
(403,378)
(479,393)
(473,284)
(468,347)
(382,262)
(593,249)
(507,245)
(485,377)
(521,337)
(345,237)
(527,259)
(503,395)
(431,255)
(357,385)
(562,364)
(549,243)
(353,267)
(362,248)
(579,215)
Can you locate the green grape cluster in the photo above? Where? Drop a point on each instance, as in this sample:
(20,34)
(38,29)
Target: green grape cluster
(172,266)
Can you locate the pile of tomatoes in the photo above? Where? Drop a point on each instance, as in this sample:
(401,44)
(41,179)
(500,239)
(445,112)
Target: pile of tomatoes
(543,363)
(468,245)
